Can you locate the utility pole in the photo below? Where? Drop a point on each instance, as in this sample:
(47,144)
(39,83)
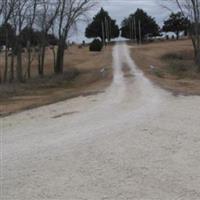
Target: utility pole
(109,30)
(130,28)
(106,27)
(103,33)
(135,30)
(140,33)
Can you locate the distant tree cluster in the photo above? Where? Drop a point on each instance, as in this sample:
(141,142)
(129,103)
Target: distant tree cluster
(139,25)
(135,27)
(176,23)
(102,26)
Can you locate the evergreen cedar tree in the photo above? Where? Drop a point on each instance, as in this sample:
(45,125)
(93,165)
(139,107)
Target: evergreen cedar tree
(7,35)
(148,25)
(94,29)
(176,23)
(96,45)
(35,37)
(27,35)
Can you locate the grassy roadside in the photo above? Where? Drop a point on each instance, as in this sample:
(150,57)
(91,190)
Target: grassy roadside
(169,64)
(82,77)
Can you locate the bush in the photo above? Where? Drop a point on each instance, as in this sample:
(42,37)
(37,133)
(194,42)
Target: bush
(177,67)
(173,56)
(159,73)
(96,45)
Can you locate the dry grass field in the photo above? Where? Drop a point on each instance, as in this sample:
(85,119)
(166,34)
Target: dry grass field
(170,64)
(52,88)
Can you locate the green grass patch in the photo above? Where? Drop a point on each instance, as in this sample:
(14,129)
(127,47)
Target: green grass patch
(159,73)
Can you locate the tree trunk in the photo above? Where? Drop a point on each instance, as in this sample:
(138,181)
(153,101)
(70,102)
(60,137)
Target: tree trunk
(197,58)
(12,68)
(177,35)
(39,61)
(6,66)
(41,58)
(29,61)
(6,59)
(29,64)
(54,57)
(0,76)
(19,63)
(60,58)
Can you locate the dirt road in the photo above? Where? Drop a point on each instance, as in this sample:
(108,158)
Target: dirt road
(135,141)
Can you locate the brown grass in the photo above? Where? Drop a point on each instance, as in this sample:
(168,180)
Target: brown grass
(41,91)
(174,67)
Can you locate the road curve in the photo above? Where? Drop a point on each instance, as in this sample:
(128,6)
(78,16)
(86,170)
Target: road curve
(135,141)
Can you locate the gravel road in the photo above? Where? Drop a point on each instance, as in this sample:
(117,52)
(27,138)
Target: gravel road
(134,141)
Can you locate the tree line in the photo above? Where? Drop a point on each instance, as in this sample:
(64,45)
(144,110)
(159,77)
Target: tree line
(32,25)
(135,27)
(139,24)
(27,27)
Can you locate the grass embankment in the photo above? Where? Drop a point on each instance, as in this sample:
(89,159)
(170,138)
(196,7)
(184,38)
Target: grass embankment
(171,65)
(82,77)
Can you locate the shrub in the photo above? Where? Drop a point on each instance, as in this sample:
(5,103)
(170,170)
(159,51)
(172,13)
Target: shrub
(173,56)
(159,73)
(96,45)
(177,67)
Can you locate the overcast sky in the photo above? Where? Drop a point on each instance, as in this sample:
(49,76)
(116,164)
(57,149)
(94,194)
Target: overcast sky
(119,9)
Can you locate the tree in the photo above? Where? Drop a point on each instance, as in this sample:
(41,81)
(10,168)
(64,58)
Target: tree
(71,11)
(7,7)
(7,36)
(102,26)
(6,33)
(27,23)
(52,40)
(96,45)
(46,17)
(139,22)
(29,39)
(29,35)
(19,22)
(176,23)
(191,10)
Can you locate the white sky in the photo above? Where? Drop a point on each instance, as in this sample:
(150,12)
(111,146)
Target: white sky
(119,9)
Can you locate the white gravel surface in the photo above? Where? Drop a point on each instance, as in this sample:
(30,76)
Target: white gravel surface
(135,141)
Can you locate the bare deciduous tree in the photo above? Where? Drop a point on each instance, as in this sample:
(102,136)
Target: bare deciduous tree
(19,22)
(46,16)
(40,17)
(71,11)
(6,9)
(191,9)
(30,22)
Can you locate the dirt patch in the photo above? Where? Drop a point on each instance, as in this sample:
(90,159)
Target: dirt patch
(127,71)
(83,76)
(169,64)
